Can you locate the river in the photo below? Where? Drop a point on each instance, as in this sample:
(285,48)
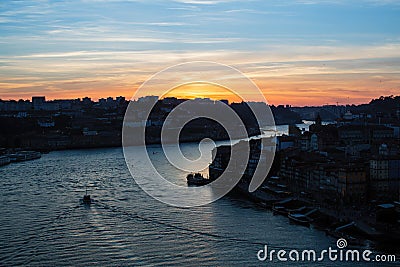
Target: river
(43,224)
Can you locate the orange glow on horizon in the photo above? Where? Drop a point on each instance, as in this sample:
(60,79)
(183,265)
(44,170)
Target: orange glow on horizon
(295,91)
(203,90)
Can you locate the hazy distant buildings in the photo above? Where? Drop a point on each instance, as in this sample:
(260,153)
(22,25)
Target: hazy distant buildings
(38,102)
(352,134)
(149,99)
(120,100)
(87,101)
(15,106)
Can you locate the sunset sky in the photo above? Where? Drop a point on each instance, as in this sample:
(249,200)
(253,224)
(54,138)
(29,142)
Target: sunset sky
(299,52)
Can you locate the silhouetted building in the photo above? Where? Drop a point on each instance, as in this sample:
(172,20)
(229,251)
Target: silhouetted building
(385,177)
(38,102)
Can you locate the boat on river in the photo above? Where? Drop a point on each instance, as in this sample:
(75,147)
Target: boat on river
(197,179)
(24,156)
(86,200)
(300,219)
(4,160)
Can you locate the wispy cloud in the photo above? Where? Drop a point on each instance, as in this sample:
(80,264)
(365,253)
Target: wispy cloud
(60,47)
(204,2)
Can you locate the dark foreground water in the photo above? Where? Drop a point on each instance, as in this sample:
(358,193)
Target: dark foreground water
(42,222)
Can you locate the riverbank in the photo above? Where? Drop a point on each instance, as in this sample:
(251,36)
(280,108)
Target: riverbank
(357,226)
(52,142)
(13,156)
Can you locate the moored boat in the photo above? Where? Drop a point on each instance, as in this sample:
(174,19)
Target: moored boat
(24,156)
(300,219)
(4,160)
(280,210)
(285,206)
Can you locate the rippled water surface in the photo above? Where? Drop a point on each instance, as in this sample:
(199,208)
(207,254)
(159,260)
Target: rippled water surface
(43,224)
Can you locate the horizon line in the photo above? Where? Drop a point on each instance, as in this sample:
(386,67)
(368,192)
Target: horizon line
(130,99)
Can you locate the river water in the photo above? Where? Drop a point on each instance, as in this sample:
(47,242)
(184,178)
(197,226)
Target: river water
(42,222)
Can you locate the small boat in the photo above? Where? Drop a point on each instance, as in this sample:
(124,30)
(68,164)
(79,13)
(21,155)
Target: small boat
(86,199)
(300,219)
(4,160)
(280,210)
(300,210)
(24,156)
(197,179)
(262,204)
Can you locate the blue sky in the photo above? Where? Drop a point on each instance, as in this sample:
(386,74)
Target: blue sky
(324,49)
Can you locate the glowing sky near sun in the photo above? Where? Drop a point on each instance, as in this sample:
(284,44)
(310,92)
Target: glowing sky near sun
(201,90)
(298,52)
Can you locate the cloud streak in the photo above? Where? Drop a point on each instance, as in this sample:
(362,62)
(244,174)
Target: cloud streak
(302,46)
